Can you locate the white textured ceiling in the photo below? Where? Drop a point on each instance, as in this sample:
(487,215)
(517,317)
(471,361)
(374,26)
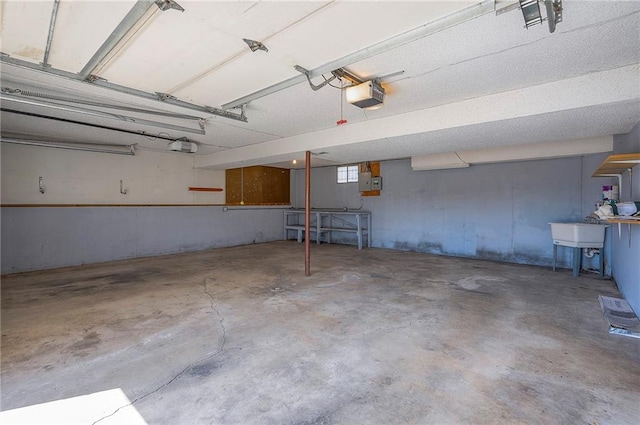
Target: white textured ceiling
(461,71)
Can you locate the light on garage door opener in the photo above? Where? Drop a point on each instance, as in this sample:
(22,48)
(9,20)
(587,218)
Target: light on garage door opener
(368,95)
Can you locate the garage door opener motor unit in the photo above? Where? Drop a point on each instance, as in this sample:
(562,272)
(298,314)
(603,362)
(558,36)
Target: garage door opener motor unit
(183,146)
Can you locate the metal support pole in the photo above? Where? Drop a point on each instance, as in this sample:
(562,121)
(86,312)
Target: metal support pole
(307,214)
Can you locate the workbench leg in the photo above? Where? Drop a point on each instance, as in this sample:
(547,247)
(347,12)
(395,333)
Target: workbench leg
(359,227)
(555,256)
(284,235)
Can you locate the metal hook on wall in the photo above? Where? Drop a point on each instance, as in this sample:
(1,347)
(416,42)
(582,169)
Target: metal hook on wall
(122,189)
(41,184)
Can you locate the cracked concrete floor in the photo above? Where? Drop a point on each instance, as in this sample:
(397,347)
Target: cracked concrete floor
(240,336)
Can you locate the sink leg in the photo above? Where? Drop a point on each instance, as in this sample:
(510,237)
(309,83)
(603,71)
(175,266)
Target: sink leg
(555,256)
(577,256)
(601,259)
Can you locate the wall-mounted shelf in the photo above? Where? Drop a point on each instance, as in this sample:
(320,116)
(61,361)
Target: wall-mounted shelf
(620,220)
(616,164)
(623,220)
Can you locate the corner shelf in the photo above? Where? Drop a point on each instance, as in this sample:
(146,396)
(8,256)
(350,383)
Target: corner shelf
(616,164)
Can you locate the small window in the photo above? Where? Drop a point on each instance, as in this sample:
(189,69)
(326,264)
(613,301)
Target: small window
(348,174)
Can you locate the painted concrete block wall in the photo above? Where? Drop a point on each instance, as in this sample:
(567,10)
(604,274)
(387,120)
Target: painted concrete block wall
(36,238)
(492,211)
(626,247)
(78,177)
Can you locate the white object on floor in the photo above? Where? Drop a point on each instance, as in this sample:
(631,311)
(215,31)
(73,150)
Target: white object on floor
(85,409)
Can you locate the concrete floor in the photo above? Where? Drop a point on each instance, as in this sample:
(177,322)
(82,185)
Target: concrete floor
(240,336)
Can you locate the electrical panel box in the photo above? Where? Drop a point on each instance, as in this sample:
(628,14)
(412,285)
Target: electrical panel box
(376,183)
(364,181)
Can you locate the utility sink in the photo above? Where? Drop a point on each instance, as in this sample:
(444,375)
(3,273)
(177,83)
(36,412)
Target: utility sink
(578,235)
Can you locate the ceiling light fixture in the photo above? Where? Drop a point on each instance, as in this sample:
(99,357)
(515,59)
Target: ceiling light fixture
(368,95)
(75,146)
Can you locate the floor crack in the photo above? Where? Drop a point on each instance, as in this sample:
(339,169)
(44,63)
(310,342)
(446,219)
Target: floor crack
(183,371)
(216,311)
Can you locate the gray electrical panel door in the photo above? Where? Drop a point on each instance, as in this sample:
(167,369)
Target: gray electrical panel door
(364,181)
